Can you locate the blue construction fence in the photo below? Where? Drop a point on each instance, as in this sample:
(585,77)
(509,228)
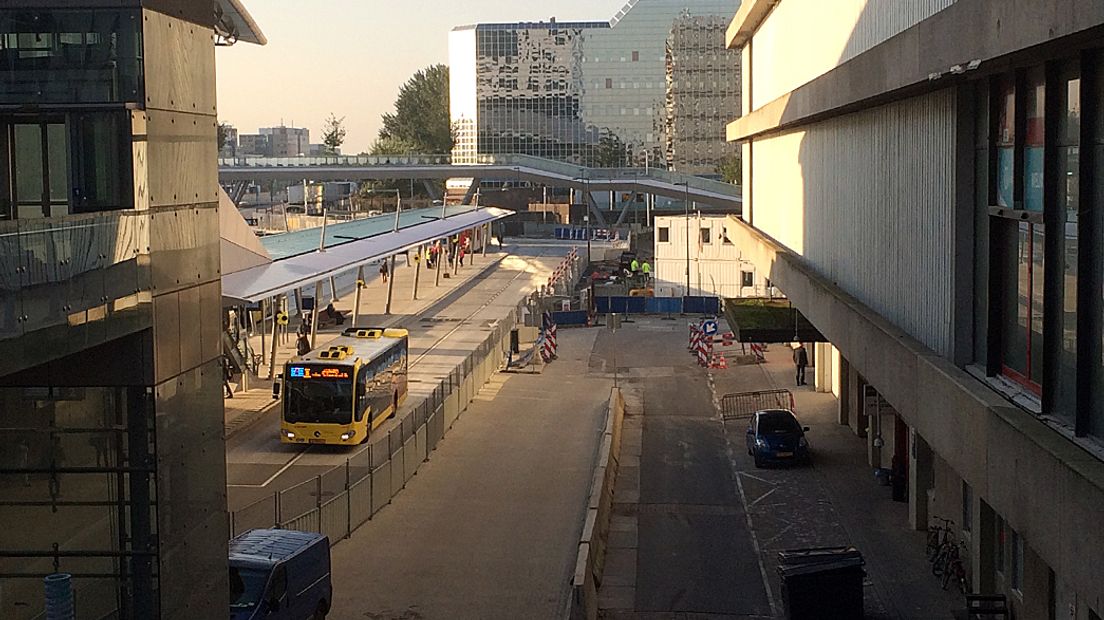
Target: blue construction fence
(658,305)
(579,233)
(572,318)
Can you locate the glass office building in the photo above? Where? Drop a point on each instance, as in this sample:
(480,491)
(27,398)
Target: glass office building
(593,93)
(113,463)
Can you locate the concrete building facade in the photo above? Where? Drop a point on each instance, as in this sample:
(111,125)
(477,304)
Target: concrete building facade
(110,306)
(591,93)
(920,179)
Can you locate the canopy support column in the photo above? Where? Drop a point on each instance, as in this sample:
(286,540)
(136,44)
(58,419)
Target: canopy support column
(356,296)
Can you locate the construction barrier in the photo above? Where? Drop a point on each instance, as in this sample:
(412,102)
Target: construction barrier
(576,318)
(657,305)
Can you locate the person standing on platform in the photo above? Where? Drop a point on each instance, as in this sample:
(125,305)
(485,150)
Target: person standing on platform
(801,360)
(384,272)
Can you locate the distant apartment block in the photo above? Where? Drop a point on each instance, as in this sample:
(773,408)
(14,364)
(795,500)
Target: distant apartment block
(592,93)
(276,142)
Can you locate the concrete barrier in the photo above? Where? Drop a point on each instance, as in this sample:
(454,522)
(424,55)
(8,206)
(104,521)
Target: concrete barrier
(590,561)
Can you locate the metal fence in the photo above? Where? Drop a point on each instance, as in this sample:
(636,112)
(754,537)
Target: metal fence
(742,405)
(340,500)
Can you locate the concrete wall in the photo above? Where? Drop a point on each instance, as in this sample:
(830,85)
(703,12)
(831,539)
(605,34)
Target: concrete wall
(830,33)
(875,220)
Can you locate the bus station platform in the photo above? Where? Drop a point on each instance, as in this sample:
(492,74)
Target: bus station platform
(249,404)
(456,339)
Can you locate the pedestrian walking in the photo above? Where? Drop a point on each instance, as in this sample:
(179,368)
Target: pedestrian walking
(801,360)
(634,266)
(302,344)
(227,375)
(461,256)
(384,271)
(646,269)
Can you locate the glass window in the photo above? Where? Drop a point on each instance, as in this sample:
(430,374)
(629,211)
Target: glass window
(705,235)
(747,278)
(1006,141)
(664,234)
(1067,199)
(27,163)
(967,507)
(1034,140)
(60,55)
(1000,546)
(1017,565)
(1022,303)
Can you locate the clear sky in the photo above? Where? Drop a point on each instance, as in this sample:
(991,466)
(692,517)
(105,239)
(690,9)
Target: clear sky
(349,57)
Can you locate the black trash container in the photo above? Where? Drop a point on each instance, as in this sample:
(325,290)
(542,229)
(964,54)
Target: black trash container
(824,583)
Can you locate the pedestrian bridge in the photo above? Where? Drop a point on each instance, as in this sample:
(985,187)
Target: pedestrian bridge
(503,168)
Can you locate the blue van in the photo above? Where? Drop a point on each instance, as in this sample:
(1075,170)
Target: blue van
(280,575)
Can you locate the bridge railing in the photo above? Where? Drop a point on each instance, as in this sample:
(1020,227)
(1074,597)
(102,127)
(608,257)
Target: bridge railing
(517,160)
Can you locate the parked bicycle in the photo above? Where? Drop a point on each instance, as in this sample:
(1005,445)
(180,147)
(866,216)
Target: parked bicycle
(955,569)
(937,535)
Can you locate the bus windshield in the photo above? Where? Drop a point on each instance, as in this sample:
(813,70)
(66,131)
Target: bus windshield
(318,402)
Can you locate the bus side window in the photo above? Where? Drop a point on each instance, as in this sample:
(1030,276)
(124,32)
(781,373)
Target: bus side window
(361,393)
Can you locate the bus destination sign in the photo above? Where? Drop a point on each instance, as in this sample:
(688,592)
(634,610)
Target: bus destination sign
(318,372)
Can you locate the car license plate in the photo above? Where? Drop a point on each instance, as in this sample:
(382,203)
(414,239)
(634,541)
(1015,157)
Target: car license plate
(782,455)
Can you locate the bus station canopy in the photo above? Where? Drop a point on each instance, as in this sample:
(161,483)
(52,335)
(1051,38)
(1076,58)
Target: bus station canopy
(298,261)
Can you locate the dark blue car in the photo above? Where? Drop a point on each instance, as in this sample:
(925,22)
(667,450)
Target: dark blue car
(280,575)
(775,436)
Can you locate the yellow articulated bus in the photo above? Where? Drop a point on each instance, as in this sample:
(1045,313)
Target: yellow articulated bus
(338,394)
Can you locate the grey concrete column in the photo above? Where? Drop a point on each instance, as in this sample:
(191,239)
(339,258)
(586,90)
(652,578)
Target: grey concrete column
(317,311)
(275,334)
(921,479)
(486,238)
(845,399)
(417,270)
(356,296)
(437,265)
(390,285)
(333,288)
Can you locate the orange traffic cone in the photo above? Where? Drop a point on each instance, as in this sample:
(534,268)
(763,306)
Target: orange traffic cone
(722,363)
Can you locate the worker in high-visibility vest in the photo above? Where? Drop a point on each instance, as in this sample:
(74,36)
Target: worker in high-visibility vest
(634,266)
(646,269)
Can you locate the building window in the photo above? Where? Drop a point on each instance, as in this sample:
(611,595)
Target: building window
(747,279)
(1017,562)
(636,56)
(706,233)
(609,82)
(1000,546)
(664,234)
(767,283)
(56,165)
(967,507)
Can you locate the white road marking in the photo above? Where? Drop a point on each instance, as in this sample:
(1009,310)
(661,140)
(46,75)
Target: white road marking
(273,476)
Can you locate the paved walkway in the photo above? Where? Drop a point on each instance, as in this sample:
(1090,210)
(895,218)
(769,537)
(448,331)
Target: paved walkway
(248,406)
(489,527)
(697,528)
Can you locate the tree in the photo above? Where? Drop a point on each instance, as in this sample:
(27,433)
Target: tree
(421,117)
(223,135)
(333,134)
(393,146)
(731,169)
(610,151)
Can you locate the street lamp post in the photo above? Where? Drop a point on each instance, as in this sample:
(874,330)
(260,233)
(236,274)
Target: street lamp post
(686,215)
(586,210)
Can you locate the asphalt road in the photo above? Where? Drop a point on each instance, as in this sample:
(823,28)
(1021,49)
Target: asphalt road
(695,554)
(258,465)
